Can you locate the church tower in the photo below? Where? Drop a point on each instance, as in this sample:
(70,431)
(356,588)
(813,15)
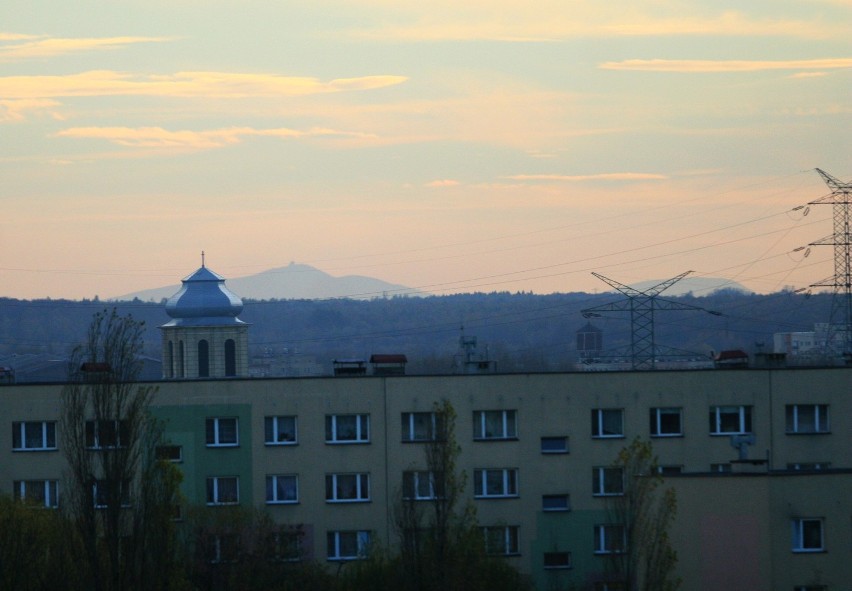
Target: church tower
(204,339)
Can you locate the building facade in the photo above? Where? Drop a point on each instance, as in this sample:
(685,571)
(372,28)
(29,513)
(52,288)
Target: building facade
(759,460)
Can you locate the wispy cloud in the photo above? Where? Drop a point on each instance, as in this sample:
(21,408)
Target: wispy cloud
(442,183)
(182,84)
(36,47)
(609,176)
(157,137)
(700,66)
(15,110)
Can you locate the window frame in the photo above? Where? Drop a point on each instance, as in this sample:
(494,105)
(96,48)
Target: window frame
(272,431)
(48,498)
(508,483)
(822,424)
(409,426)
(599,422)
(501,540)
(162,453)
(600,480)
(506,431)
(94,433)
(553,507)
(361,489)
(800,545)
(604,533)
(213,493)
(361,434)
(656,423)
(20,441)
(272,489)
(744,419)
(413,480)
(217,438)
(555,450)
(124,494)
(556,565)
(363,539)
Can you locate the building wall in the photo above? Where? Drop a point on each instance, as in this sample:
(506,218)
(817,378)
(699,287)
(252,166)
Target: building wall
(733,530)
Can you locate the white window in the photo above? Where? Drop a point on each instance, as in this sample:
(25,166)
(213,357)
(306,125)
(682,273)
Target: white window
(808,535)
(807,418)
(222,432)
(348,545)
(170,453)
(607,422)
(42,493)
(556,502)
(730,420)
(501,540)
(421,426)
(669,470)
(280,430)
(347,488)
(106,434)
(607,481)
(557,560)
(282,488)
(495,424)
(347,428)
(103,493)
(665,422)
(33,435)
(610,539)
(421,485)
(554,445)
(223,490)
(287,544)
(495,483)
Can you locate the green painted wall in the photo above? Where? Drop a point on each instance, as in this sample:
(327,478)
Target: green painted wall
(567,531)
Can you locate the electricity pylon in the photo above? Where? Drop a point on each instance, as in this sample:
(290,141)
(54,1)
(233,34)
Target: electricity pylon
(838,338)
(642,305)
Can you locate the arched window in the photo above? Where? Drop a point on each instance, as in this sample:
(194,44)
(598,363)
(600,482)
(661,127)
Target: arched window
(203,359)
(180,370)
(170,361)
(230,358)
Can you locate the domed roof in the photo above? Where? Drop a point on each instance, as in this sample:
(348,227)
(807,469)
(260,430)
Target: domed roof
(204,301)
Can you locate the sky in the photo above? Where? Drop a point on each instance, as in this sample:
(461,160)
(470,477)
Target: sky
(449,146)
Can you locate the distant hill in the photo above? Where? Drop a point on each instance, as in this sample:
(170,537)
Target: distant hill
(293,282)
(697,286)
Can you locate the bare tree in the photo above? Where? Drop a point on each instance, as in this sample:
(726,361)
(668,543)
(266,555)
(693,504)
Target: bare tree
(118,495)
(643,556)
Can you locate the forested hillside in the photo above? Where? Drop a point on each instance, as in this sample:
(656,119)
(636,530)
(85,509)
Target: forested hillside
(521,331)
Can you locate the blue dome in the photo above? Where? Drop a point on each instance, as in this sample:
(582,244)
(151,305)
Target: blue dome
(203,301)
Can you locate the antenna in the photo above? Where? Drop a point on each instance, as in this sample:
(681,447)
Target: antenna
(838,338)
(642,305)
(202,258)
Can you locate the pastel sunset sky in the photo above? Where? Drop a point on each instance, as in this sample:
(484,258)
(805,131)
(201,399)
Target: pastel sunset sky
(450,146)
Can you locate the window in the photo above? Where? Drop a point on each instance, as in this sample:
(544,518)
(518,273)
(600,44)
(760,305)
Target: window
(723,467)
(347,428)
(555,502)
(223,548)
(495,424)
(203,359)
(287,544)
(106,434)
(348,545)
(422,486)
(807,535)
(809,466)
(33,435)
(665,422)
(610,539)
(347,488)
(557,560)
(282,488)
(170,453)
(41,493)
(421,426)
(103,494)
(807,418)
(501,540)
(223,490)
(495,483)
(607,481)
(730,420)
(669,470)
(222,432)
(554,445)
(280,430)
(607,422)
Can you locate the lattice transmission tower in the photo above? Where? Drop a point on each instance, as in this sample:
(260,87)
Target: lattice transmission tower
(838,338)
(642,305)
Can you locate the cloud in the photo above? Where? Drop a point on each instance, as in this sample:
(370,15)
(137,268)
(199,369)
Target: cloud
(157,137)
(14,110)
(702,66)
(442,183)
(182,84)
(59,46)
(611,176)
